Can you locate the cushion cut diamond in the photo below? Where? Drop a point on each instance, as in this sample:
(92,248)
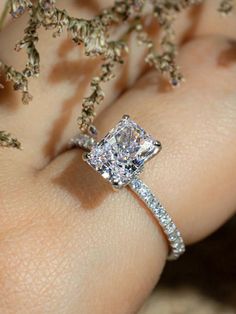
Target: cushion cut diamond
(121,154)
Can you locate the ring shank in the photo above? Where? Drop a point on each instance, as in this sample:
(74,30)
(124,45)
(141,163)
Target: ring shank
(170,230)
(173,235)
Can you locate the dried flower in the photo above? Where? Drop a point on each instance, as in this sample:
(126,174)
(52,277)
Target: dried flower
(19,81)
(95,36)
(7,140)
(18,7)
(226,6)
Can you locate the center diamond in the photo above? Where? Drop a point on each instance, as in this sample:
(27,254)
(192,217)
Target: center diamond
(121,154)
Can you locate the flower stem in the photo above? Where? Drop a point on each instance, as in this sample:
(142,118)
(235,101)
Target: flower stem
(4,14)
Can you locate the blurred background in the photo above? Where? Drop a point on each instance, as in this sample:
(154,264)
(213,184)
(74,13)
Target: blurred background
(202,281)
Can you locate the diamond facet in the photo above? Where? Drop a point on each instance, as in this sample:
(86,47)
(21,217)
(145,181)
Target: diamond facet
(121,154)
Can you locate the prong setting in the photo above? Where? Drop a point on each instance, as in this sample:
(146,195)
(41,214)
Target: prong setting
(122,153)
(157,144)
(125,116)
(158,147)
(85,156)
(117,186)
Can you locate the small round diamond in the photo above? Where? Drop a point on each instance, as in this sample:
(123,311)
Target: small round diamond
(173,236)
(151,201)
(165,219)
(136,184)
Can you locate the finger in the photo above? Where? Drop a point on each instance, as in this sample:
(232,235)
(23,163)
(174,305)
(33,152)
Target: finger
(131,247)
(63,83)
(197,124)
(65,79)
(194,176)
(211,21)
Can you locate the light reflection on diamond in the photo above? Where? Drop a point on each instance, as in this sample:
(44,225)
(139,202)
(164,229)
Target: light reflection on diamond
(123,152)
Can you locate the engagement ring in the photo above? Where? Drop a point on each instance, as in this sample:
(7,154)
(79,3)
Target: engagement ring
(119,157)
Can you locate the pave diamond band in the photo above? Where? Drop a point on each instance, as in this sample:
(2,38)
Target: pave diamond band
(119,158)
(173,235)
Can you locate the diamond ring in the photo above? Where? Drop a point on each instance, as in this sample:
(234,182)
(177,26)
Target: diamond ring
(119,157)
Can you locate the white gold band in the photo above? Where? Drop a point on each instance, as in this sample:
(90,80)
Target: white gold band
(173,235)
(119,157)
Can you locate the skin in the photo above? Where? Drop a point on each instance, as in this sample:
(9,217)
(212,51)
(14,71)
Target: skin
(68,243)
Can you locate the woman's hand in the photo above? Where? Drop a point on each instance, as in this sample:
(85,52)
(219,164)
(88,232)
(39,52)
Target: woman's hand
(68,243)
